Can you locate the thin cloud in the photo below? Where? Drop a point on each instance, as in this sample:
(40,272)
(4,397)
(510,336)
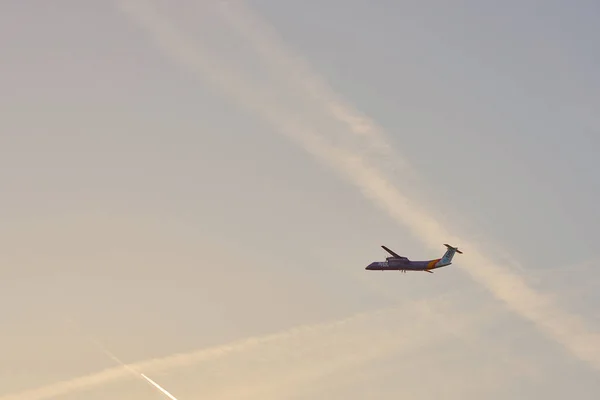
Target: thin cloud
(284,374)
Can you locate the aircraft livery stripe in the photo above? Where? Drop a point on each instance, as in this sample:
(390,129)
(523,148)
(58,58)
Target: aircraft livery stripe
(432,263)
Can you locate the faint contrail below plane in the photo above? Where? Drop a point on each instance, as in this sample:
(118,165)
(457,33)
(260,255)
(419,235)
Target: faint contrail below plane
(355,166)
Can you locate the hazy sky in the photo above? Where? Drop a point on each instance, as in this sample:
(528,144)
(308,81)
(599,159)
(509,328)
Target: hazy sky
(200,185)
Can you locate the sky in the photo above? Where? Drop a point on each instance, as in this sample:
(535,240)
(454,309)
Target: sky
(192,190)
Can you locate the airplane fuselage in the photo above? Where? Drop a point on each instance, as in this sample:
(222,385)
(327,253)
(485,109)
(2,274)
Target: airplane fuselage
(393,264)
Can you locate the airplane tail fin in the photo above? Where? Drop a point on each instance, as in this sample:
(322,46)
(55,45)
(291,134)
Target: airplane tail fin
(451,250)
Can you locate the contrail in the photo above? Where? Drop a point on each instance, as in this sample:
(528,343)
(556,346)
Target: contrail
(120,362)
(566,329)
(320,333)
(132,370)
(298,75)
(100,346)
(295,72)
(156,385)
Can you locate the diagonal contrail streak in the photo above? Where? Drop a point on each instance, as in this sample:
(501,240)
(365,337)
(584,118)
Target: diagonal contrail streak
(117,360)
(156,385)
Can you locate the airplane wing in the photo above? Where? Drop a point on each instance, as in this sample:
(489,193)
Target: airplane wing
(393,254)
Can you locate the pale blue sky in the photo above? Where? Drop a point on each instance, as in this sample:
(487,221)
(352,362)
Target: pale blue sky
(168,211)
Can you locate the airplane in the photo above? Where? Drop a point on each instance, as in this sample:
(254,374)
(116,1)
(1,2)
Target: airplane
(400,263)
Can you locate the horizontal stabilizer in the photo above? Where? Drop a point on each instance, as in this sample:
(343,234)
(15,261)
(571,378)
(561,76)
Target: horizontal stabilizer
(453,248)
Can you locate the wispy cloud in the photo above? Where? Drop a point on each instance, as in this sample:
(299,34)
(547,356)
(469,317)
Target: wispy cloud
(287,372)
(488,363)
